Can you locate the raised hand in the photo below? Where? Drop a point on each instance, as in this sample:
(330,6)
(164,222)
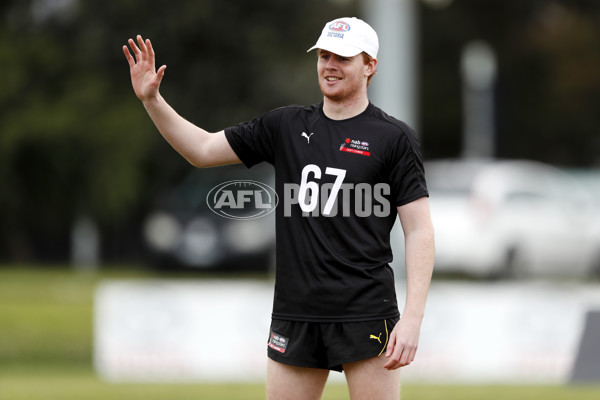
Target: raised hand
(144,77)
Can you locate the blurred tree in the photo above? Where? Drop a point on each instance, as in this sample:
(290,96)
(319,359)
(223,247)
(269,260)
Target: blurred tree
(73,137)
(552,115)
(548,83)
(70,142)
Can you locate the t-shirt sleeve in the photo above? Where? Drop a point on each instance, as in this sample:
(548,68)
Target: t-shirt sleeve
(406,173)
(255,141)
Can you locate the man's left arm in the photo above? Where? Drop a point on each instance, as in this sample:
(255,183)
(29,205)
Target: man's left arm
(420,253)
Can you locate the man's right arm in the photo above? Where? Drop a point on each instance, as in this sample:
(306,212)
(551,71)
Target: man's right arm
(199,147)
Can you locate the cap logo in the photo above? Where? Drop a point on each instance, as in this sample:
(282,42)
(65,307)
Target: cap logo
(339,26)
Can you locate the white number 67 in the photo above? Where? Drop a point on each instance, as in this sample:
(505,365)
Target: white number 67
(309,190)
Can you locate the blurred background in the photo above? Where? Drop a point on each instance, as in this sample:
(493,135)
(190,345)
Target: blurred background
(502,95)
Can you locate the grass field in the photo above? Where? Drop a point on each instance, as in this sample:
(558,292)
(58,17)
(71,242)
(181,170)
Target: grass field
(81,384)
(46,350)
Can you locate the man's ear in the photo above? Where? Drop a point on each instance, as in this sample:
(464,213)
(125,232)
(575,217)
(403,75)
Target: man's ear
(371,67)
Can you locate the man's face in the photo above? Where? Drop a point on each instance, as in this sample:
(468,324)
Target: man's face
(342,78)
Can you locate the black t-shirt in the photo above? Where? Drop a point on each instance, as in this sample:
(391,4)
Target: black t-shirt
(339,183)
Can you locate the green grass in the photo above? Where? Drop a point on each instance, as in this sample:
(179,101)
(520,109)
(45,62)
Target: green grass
(46,346)
(46,315)
(82,384)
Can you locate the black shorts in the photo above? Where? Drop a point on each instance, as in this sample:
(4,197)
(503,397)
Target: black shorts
(327,345)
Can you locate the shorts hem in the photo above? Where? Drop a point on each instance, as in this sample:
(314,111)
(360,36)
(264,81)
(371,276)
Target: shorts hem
(296,363)
(337,366)
(358,358)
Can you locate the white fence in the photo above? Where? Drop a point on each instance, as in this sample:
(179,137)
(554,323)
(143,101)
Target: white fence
(194,331)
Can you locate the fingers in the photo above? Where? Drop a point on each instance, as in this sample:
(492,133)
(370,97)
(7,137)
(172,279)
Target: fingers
(161,72)
(400,360)
(150,48)
(136,53)
(134,48)
(142,51)
(400,355)
(128,56)
(390,347)
(143,47)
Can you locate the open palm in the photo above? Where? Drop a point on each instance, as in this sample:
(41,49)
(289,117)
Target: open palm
(144,77)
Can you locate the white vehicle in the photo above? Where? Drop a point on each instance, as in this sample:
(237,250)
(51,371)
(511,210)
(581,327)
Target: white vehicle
(512,219)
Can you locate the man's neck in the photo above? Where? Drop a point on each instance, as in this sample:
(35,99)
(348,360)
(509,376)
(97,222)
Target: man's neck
(337,110)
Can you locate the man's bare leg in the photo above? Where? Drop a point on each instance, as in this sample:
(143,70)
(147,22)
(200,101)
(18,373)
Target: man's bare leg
(287,382)
(367,379)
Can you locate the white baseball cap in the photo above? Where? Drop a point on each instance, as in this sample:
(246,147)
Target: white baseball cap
(348,37)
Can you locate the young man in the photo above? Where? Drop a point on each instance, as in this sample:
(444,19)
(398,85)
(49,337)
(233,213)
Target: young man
(345,170)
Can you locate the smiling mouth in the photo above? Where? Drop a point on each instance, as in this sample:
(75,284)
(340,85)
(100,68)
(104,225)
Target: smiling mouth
(332,79)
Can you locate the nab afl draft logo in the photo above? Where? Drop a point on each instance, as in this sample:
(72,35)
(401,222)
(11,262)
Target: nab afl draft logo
(242,199)
(356,147)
